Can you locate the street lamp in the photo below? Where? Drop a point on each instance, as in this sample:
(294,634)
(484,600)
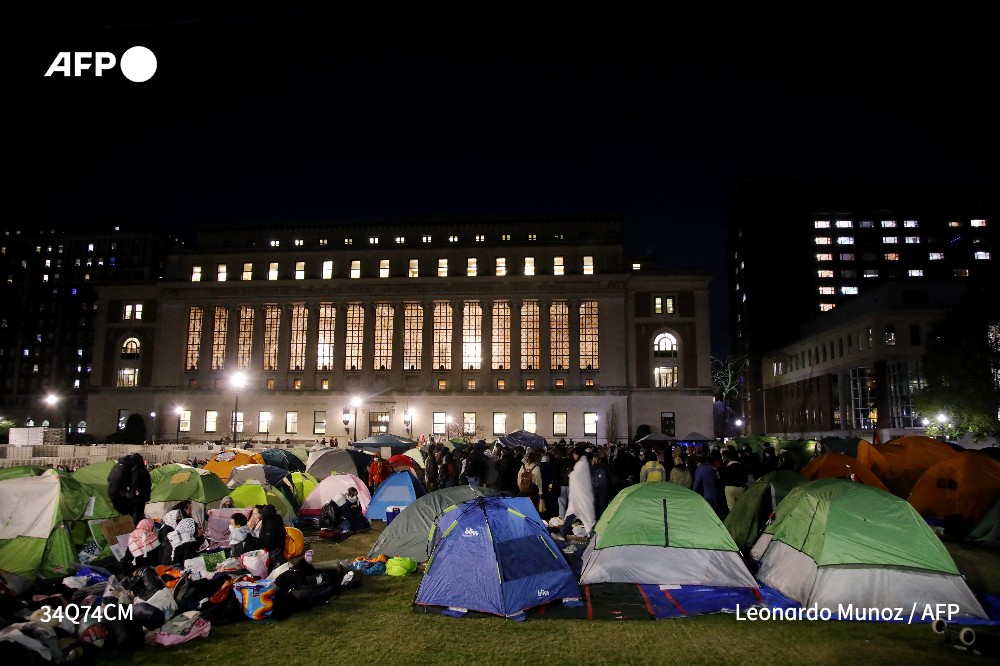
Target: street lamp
(355,402)
(152,422)
(51,399)
(179,411)
(239,381)
(596,419)
(408,422)
(942,418)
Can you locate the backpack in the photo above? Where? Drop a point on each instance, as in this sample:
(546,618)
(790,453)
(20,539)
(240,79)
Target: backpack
(655,473)
(599,477)
(525,483)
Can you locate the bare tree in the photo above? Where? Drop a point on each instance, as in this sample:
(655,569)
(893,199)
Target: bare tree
(456,430)
(611,424)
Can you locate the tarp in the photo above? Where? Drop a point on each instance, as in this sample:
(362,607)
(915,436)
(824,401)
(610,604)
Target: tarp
(222,463)
(324,462)
(491,558)
(751,511)
(664,534)
(839,466)
(399,490)
(901,461)
(217,526)
(965,484)
(528,440)
(407,534)
(329,489)
(284,459)
(837,542)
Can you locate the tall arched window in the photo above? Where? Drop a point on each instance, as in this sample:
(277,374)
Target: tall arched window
(130,349)
(666,374)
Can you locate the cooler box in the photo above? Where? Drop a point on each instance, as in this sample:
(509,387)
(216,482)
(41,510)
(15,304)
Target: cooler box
(391,513)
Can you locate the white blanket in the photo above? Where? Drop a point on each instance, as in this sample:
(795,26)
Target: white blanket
(581,494)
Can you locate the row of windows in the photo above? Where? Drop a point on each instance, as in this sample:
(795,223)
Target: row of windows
(386,319)
(501,268)
(439,422)
(822,352)
(424,238)
(895,256)
(886,224)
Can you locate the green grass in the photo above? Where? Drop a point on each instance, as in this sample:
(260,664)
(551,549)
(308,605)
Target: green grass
(375,624)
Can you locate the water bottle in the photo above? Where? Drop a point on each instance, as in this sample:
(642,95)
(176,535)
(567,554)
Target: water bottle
(309,556)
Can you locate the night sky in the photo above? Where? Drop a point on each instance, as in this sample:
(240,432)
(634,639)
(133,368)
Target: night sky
(305,118)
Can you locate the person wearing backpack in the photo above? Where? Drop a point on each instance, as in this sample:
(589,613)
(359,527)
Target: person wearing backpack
(652,472)
(529,478)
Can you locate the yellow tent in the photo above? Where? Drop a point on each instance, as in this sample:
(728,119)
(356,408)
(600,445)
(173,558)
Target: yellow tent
(221,464)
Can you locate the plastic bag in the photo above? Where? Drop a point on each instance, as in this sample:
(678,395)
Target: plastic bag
(164,600)
(255,562)
(400,566)
(181,629)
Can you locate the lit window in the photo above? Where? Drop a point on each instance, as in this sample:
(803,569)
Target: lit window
(936,256)
(323,242)
(373,240)
(90,247)
(471,268)
(355,269)
(327,270)
(869,273)
(501,384)
(824,257)
(442,384)
(383,268)
(297,384)
(529,265)
(825,307)
(470,385)
(827,290)
(890,240)
(354,343)
(977,223)
(133,311)
(300,270)
(845,240)
(560,382)
(911,224)
(954,223)
(439,422)
(890,335)
(981,255)
(272,270)
(636,266)
(915,272)
(530,422)
(822,224)
(384,313)
(211,420)
(888,224)
(847,257)
(823,240)
(275,243)
(532,237)
(269,384)
(441,347)
(291,423)
(589,382)
(499,423)
(844,224)
(557,266)
(248,271)
(348,241)
(127,377)
(848,290)
(505,237)
(324,347)
(665,346)
(400,240)
(480,238)
(588,265)
(529,384)
(892,256)
(452,239)
(414,268)
(658,305)
(961,272)
(426,239)
(824,273)
(196,273)
(501,268)
(299,242)
(913,239)
(442,268)
(590,423)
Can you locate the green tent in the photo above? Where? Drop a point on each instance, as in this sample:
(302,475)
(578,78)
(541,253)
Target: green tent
(174,482)
(801,450)
(663,534)
(303,482)
(21,470)
(834,542)
(987,531)
(43,522)
(253,493)
(755,506)
(95,474)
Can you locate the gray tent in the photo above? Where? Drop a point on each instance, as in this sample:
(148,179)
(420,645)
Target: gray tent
(407,534)
(324,462)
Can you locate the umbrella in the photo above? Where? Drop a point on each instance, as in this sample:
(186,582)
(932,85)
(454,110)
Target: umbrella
(528,440)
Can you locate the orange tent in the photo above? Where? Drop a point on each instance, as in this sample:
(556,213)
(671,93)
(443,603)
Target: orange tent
(840,466)
(965,484)
(901,461)
(221,464)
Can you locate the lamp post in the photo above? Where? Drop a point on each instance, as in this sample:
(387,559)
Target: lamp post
(239,381)
(347,419)
(408,422)
(355,402)
(739,424)
(179,411)
(51,399)
(152,423)
(596,419)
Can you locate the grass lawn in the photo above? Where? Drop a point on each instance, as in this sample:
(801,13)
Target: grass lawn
(375,624)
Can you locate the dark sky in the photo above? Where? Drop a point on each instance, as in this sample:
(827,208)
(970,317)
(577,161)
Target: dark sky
(305,117)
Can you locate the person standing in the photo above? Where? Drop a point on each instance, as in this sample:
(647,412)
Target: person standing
(129,486)
(734,478)
(529,478)
(706,480)
(581,495)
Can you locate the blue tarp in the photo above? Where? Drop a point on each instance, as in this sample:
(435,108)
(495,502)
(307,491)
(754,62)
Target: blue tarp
(528,440)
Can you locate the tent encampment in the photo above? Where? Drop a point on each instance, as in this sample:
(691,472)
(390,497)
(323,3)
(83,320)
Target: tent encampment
(401,489)
(329,489)
(964,485)
(665,534)
(324,462)
(835,543)
(223,462)
(490,557)
(174,482)
(839,466)
(407,534)
(750,513)
(901,461)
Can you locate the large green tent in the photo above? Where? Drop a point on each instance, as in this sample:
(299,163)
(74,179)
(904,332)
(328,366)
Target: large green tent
(253,493)
(95,474)
(43,522)
(174,482)
(663,534)
(749,516)
(835,543)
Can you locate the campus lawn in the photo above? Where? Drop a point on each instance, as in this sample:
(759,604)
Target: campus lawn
(375,624)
